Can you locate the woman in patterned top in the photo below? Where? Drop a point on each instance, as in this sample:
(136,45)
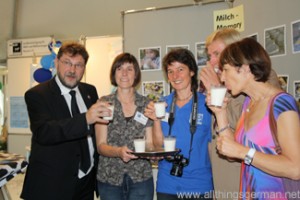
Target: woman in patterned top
(121,175)
(265,171)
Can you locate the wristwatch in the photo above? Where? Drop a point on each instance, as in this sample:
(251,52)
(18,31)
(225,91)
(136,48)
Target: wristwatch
(249,156)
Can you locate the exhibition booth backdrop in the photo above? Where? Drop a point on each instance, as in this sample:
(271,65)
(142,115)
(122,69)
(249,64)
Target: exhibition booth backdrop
(163,29)
(274,23)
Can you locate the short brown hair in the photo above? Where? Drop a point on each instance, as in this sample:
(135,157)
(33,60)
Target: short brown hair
(186,57)
(119,61)
(72,49)
(248,52)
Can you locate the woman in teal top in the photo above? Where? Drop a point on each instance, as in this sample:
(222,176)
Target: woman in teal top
(187,175)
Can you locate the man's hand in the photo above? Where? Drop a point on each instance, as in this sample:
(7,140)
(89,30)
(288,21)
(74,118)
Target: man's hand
(209,77)
(97,111)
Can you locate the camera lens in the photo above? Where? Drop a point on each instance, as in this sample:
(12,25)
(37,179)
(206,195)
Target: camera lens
(176,170)
(185,162)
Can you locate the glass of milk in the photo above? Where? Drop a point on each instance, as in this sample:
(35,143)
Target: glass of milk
(111,107)
(169,143)
(139,144)
(217,94)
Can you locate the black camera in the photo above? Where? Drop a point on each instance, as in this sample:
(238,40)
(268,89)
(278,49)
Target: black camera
(179,162)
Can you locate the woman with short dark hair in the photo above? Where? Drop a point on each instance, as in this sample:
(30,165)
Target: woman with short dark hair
(187,175)
(269,154)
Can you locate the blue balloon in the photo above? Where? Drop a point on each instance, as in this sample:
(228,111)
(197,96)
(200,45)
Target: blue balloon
(41,75)
(53,54)
(47,61)
(54,47)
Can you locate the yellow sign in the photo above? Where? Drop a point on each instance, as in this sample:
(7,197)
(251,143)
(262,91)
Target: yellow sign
(230,18)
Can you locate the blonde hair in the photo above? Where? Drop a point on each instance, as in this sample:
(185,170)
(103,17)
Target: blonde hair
(227,35)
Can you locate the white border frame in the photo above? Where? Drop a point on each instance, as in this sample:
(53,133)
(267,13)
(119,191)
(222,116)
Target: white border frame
(287,81)
(284,36)
(144,93)
(296,84)
(196,54)
(139,53)
(292,35)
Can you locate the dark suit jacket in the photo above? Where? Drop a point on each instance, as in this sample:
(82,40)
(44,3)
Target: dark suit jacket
(55,146)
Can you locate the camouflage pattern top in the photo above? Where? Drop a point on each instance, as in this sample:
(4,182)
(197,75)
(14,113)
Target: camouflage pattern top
(121,132)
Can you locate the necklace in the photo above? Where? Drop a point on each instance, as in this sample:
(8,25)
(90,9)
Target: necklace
(254,103)
(251,105)
(186,98)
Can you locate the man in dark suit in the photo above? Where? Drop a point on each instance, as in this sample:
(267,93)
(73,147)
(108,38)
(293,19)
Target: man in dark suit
(63,158)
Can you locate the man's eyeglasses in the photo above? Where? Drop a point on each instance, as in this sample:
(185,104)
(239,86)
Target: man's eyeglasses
(69,64)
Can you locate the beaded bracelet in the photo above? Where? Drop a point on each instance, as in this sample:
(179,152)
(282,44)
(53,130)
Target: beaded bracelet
(223,129)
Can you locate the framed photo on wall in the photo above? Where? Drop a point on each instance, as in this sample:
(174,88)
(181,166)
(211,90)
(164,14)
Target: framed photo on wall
(284,82)
(297,89)
(201,56)
(154,90)
(297,92)
(295,25)
(150,58)
(275,42)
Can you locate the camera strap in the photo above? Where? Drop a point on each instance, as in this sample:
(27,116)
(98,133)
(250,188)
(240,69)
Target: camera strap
(193,125)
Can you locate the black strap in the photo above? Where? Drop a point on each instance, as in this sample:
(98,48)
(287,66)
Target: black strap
(85,161)
(193,123)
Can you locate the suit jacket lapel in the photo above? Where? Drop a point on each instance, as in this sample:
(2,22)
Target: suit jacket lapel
(58,98)
(85,95)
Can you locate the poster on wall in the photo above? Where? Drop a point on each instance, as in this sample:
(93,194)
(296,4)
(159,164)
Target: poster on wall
(154,90)
(18,113)
(150,58)
(275,42)
(296,36)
